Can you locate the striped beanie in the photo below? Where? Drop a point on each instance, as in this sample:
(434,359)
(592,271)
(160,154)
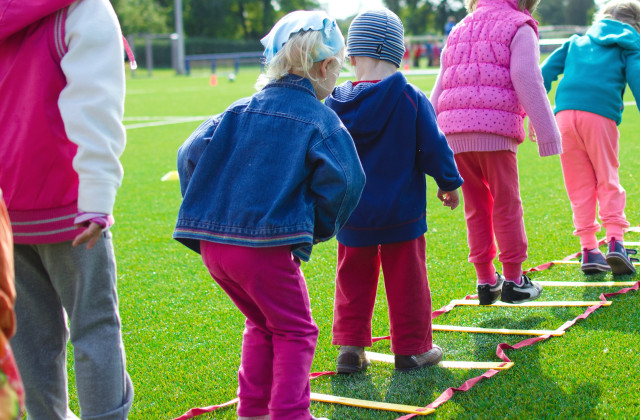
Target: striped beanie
(378,34)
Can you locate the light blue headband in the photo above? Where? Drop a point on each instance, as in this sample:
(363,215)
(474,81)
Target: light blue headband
(303,20)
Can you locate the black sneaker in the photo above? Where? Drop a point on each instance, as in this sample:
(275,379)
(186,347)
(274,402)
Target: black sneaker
(528,290)
(488,294)
(593,262)
(618,259)
(429,358)
(352,359)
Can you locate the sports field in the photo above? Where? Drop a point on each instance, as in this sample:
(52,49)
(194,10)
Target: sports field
(183,335)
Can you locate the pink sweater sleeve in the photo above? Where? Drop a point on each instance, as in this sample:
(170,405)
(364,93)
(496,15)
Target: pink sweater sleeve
(528,83)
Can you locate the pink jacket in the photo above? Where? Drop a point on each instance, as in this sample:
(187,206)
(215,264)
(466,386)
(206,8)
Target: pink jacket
(60,114)
(33,52)
(478,95)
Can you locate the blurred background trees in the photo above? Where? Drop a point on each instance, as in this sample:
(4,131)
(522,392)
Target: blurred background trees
(238,25)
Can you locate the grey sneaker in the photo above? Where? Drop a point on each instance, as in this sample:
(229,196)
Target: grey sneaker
(528,290)
(488,294)
(618,259)
(430,358)
(352,359)
(593,262)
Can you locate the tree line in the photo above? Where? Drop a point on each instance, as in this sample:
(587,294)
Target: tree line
(252,19)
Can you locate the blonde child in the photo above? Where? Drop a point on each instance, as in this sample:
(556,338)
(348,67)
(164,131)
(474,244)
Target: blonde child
(489,81)
(262,182)
(589,105)
(398,141)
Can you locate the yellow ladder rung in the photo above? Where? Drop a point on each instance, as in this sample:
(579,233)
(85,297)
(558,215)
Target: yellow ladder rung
(586,283)
(475,302)
(448,364)
(480,330)
(376,405)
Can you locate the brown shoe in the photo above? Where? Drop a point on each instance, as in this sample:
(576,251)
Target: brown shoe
(430,358)
(352,359)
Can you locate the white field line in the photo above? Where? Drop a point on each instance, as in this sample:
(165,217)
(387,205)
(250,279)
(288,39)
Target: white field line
(168,120)
(158,121)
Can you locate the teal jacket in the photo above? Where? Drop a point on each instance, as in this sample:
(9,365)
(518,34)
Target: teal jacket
(597,67)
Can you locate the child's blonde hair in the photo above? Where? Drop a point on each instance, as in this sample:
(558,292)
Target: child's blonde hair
(626,11)
(529,5)
(299,53)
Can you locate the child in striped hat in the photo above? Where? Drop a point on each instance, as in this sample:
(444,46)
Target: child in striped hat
(398,141)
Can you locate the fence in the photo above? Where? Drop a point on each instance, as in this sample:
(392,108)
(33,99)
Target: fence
(237,58)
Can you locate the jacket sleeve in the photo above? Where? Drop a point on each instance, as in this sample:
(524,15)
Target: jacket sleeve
(192,149)
(92,103)
(633,73)
(337,182)
(435,157)
(7,287)
(553,66)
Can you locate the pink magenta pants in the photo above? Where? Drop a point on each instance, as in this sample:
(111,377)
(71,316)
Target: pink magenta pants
(408,295)
(493,209)
(590,168)
(280,336)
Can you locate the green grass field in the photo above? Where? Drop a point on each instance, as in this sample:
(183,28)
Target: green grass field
(183,335)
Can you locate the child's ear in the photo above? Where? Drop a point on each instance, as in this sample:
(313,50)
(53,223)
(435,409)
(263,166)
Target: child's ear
(352,60)
(324,67)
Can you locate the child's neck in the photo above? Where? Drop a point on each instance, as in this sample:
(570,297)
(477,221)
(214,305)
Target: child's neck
(367,68)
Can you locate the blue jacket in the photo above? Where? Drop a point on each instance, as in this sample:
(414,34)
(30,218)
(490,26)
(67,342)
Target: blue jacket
(277,168)
(597,67)
(398,140)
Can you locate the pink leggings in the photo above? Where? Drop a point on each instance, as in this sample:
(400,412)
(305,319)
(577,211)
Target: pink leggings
(590,167)
(280,336)
(493,208)
(408,295)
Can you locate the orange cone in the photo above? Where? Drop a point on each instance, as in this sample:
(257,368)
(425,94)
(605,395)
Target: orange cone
(213,80)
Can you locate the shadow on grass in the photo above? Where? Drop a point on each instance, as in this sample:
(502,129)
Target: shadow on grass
(525,391)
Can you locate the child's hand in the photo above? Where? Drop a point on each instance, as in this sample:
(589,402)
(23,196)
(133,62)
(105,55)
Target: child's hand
(89,236)
(532,132)
(450,199)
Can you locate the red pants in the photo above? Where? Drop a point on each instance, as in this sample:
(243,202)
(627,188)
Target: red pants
(590,168)
(493,209)
(408,295)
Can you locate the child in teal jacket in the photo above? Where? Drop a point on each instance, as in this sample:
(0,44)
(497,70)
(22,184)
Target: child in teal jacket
(589,105)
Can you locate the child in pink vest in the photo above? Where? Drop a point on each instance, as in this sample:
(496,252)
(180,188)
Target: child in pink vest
(489,81)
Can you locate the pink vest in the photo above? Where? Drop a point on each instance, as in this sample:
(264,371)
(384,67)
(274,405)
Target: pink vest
(36,175)
(477,93)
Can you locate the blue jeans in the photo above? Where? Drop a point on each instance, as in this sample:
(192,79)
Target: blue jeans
(52,279)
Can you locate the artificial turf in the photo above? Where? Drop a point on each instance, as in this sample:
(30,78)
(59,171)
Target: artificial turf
(183,335)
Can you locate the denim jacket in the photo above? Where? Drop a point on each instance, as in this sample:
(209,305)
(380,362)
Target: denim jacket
(277,168)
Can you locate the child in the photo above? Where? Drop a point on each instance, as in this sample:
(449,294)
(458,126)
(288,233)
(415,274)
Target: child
(11,389)
(62,86)
(262,182)
(398,141)
(589,104)
(489,81)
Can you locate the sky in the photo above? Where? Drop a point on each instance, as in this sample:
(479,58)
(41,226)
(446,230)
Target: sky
(341,9)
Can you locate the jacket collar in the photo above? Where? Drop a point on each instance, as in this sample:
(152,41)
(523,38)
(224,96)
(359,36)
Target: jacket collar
(295,82)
